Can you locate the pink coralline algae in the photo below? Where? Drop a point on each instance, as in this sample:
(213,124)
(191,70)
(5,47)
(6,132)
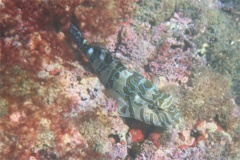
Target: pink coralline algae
(177,50)
(193,143)
(118,151)
(129,41)
(134,49)
(175,64)
(44,88)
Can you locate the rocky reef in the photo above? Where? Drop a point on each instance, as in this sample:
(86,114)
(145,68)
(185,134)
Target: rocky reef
(52,105)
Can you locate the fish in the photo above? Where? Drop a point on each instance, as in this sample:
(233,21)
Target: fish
(137,97)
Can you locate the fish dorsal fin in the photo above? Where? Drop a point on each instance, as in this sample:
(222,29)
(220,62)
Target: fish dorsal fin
(155,80)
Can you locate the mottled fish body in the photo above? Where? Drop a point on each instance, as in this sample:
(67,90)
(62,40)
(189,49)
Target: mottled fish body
(137,97)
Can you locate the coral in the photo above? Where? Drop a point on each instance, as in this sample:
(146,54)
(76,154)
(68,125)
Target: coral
(40,22)
(211,136)
(191,144)
(137,135)
(137,131)
(26,48)
(41,13)
(38,99)
(96,17)
(38,109)
(53,107)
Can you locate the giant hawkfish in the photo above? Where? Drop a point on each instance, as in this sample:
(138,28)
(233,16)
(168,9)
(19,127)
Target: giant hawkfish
(137,97)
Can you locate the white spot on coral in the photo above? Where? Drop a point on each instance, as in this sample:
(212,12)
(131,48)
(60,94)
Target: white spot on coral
(66,139)
(15,116)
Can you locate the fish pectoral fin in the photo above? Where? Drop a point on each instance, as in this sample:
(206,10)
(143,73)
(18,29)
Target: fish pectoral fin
(155,80)
(111,93)
(123,111)
(123,108)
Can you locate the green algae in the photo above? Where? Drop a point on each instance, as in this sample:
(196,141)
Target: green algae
(20,83)
(209,98)
(218,27)
(155,12)
(95,133)
(3,107)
